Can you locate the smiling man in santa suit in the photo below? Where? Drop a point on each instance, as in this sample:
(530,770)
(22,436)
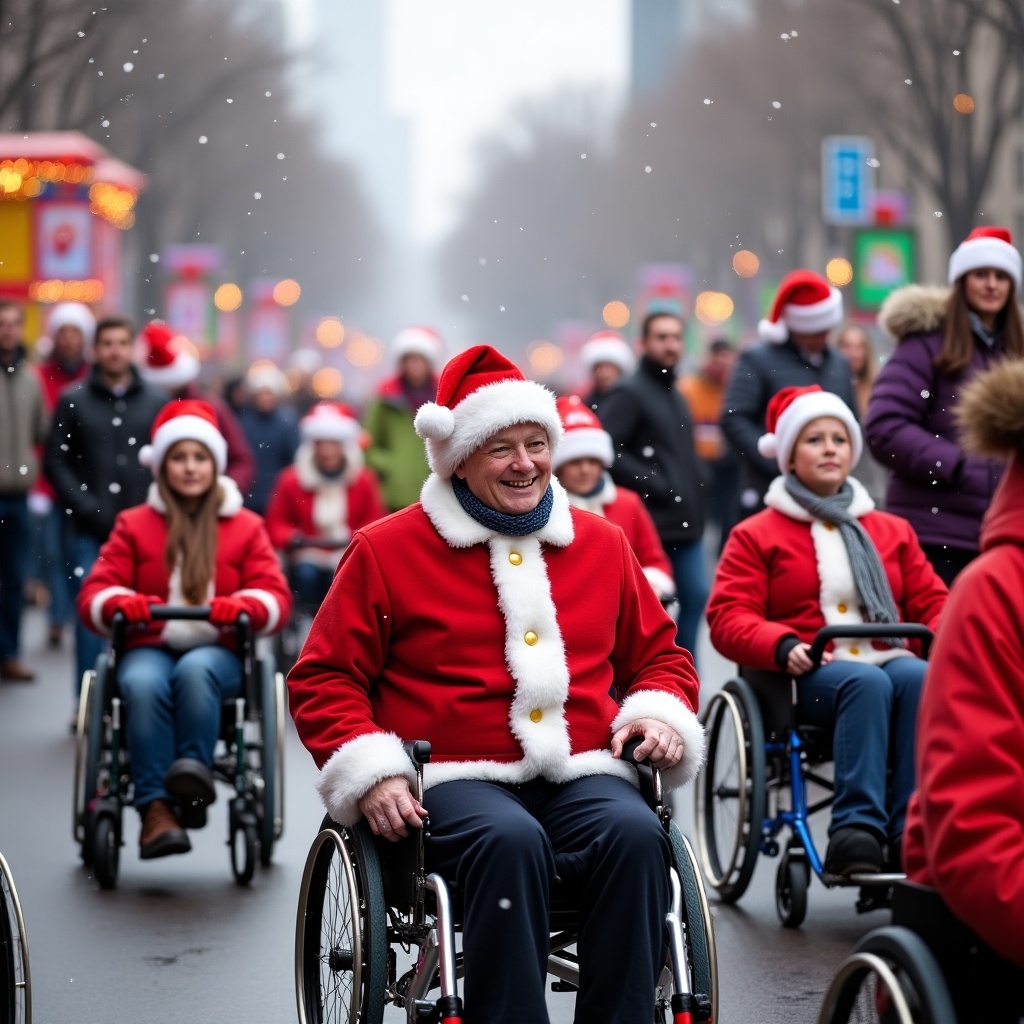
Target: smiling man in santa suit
(520,637)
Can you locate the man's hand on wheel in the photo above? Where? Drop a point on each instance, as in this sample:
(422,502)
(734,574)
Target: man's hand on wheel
(390,808)
(662,746)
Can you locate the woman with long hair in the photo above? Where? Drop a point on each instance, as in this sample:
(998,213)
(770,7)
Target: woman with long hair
(190,543)
(943,340)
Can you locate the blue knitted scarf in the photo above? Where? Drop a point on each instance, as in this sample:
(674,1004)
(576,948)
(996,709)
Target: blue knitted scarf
(502,522)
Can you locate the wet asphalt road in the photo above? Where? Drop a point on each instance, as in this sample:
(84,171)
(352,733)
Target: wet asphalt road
(179,941)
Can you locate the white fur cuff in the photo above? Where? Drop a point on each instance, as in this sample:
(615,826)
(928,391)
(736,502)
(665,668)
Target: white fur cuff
(663,584)
(674,713)
(356,767)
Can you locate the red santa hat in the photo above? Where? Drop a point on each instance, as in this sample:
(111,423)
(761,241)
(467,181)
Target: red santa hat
(72,314)
(330,421)
(583,437)
(986,247)
(418,341)
(184,420)
(168,360)
(607,347)
(805,303)
(481,392)
(791,409)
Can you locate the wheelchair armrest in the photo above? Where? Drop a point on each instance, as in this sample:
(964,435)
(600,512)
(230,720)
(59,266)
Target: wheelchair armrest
(418,751)
(649,777)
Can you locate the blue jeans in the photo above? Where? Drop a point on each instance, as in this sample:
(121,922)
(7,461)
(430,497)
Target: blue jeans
(692,590)
(172,707)
(15,545)
(310,583)
(873,709)
(88,646)
(57,552)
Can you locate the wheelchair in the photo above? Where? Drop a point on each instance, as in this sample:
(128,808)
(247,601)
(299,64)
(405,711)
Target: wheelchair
(927,967)
(15,978)
(249,757)
(759,760)
(359,900)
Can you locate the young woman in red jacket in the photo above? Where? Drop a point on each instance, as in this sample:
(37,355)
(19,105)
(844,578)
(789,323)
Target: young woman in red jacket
(819,554)
(190,543)
(327,494)
(580,464)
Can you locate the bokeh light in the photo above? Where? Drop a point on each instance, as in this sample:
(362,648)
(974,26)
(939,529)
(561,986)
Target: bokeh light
(745,263)
(56,290)
(287,292)
(544,358)
(330,332)
(839,272)
(713,308)
(615,314)
(963,104)
(227,298)
(363,351)
(327,382)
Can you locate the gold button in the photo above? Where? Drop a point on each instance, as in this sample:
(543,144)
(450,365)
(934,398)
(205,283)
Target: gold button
(536,715)
(829,526)
(515,558)
(841,608)
(531,637)
(855,651)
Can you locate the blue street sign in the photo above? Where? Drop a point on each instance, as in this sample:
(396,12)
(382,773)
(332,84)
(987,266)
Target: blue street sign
(847,179)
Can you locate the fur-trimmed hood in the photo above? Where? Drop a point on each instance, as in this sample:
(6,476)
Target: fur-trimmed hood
(991,411)
(915,309)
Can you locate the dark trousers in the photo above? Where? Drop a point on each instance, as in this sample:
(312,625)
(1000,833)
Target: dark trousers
(15,544)
(504,846)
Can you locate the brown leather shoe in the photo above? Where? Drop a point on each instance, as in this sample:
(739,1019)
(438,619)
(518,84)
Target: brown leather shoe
(13,670)
(161,834)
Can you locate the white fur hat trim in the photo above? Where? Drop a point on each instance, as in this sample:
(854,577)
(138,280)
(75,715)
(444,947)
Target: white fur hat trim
(584,443)
(73,314)
(797,415)
(184,428)
(976,253)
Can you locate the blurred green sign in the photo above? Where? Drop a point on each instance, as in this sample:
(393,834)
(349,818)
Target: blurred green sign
(883,259)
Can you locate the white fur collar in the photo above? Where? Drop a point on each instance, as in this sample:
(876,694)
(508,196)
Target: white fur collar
(782,501)
(311,479)
(461,530)
(595,503)
(229,507)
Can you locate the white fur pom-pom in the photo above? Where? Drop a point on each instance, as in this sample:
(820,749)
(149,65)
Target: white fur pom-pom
(772,330)
(146,455)
(766,446)
(436,422)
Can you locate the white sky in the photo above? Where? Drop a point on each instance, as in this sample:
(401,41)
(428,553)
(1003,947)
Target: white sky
(456,66)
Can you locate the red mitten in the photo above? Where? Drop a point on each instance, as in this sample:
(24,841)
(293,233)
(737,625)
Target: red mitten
(134,607)
(224,611)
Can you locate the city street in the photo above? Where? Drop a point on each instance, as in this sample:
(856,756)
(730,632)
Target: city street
(178,940)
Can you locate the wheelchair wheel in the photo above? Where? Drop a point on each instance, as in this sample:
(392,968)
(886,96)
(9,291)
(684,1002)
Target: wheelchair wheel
(341,930)
(700,936)
(106,851)
(272,734)
(791,882)
(88,753)
(15,980)
(730,792)
(245,848)
(892,977)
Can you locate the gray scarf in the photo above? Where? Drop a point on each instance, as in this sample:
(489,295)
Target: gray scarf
(868,573)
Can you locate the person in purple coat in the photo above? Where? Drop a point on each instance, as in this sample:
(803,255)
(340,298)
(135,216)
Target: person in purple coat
(943,340)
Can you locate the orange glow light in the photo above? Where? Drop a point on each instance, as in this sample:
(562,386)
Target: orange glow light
(544,358)
(615,314)
(839,272)
(963,104)
(327,382)
(227,298)
(330,332)
(287,292)
(745,263)
(713,308)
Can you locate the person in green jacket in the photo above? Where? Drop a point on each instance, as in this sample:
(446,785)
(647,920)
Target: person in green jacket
(396,453)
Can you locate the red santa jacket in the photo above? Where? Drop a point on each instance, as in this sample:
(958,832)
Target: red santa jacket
(132,561)
(785,574)
(626,510)
(516,657)
(305,503)
(965,824)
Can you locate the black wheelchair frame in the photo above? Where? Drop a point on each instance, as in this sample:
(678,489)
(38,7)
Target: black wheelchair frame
(252,760)
(771,759)
(355,906)
(15,976)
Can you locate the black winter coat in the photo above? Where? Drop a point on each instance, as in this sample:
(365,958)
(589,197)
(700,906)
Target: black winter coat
(652,436)
(762,371)
(92,451)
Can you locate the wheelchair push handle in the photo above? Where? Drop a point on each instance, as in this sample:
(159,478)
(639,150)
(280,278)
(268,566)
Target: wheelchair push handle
(869,631)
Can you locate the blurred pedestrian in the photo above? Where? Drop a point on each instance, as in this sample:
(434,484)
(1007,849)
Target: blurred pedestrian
(169,362)
(652,435)
(71,328)
(91,457)
(704,392)
(22,427)
(943,340)
(302,366)
(395,453)
(855,343)
(608,358)
(271,429)
(793,352)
